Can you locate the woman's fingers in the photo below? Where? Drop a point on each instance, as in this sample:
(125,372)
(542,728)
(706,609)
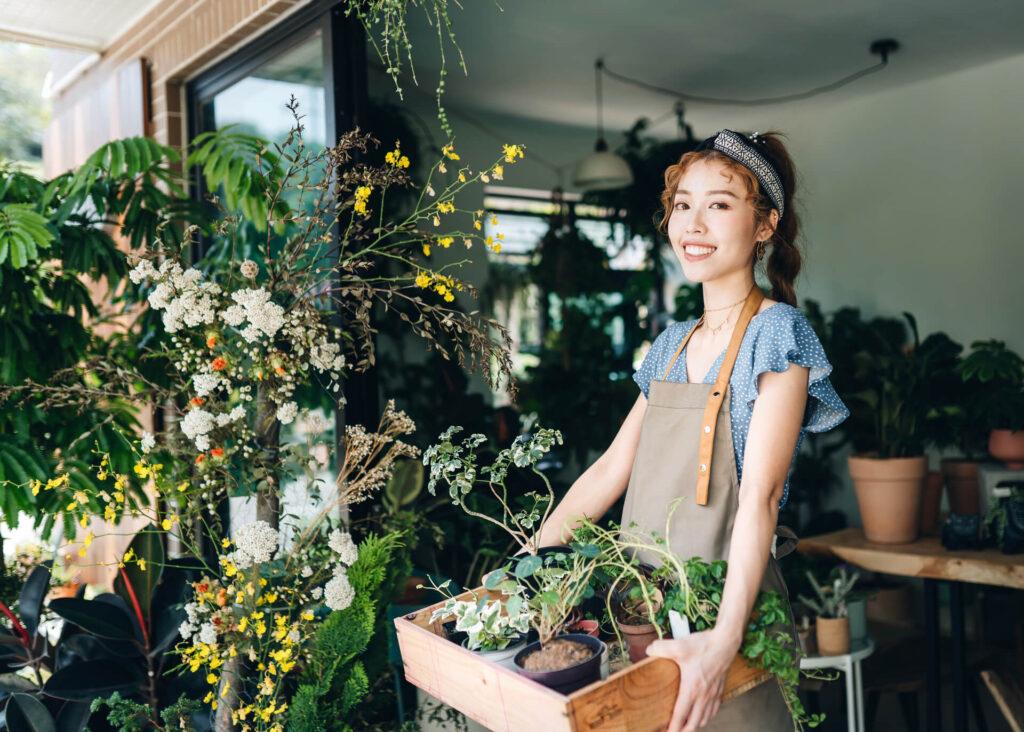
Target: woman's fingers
(681,709)
(695,718)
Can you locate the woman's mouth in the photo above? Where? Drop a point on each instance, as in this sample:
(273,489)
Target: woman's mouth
(697,252)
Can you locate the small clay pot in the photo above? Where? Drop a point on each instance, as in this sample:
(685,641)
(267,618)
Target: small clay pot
(931,503)
(889,496)
(962,486)
(833,636)
(1007,446)
(637,638)
(566,680)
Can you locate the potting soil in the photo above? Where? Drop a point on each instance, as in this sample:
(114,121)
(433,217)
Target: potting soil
(556,655)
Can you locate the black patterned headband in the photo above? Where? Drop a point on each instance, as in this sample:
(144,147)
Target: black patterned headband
(743,151)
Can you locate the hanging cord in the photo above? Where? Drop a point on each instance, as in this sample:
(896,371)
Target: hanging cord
(882,48)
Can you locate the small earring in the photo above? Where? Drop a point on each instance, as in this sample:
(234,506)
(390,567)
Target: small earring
(760,249)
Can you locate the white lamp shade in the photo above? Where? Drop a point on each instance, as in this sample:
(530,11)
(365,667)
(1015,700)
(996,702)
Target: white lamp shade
(602,171)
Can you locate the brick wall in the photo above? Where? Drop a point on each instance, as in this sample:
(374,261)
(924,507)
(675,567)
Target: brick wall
(175,41)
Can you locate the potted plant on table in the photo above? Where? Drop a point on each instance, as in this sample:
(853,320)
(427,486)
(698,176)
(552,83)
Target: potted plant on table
(998,373)
(832,616)
(891,401)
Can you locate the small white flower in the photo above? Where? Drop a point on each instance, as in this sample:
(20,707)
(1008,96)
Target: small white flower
(186,629)
(317,593)
(287,411)
(338,593)
(341,542)
(294,636)
(196,425)
(306,571)
(148,442)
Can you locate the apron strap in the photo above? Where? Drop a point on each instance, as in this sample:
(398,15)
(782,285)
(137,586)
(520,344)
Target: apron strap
(717,395)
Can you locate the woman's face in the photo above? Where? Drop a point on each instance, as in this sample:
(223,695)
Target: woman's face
(711,226)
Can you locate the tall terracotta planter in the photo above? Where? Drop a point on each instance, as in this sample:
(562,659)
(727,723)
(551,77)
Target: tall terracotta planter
(931,503)
(961,478)
(889,494)
(1007,446)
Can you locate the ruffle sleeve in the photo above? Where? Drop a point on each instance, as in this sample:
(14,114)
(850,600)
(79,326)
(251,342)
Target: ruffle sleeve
(789,338)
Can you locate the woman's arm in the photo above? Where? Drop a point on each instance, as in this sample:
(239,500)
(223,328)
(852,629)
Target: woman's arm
(601,484)
(704,658)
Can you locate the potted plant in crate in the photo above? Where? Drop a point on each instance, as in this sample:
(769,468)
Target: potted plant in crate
(551,584)
(495,628)
(999,373)
(891,403)
(832,622)
(692,590)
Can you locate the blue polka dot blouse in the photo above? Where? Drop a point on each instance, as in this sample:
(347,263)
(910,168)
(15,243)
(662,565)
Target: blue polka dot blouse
(776,337)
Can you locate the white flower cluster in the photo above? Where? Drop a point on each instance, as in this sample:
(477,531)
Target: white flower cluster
(287,411)
(326,356)
(255,543)
(185,299)
(343,545)
(254,306)
(338,592)
(148,441)
(198,627)
(198,424)
(205,382)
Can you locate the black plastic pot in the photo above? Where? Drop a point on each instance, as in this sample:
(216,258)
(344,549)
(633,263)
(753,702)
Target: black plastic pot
(566,680)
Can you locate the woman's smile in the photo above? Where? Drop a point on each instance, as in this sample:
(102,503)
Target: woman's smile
(693,252)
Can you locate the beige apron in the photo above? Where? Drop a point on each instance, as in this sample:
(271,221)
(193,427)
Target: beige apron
(686,449)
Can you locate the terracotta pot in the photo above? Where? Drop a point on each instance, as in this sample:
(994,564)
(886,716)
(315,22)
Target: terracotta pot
(962,486)
(889,496)
(833,636)
(931,502)
(637,638)
(1007,446)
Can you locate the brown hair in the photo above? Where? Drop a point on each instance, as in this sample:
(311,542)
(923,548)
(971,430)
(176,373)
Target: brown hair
(783,264)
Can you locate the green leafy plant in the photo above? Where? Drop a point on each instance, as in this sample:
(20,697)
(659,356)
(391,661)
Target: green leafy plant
(489,624)
(997,373)
(694,589)
(335,679)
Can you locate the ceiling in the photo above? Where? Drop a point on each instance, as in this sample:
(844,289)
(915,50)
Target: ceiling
(83,25)
(535,58)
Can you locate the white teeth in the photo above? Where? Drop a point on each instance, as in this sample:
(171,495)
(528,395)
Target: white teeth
(698,251)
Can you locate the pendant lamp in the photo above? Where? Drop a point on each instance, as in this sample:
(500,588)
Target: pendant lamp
(601,170)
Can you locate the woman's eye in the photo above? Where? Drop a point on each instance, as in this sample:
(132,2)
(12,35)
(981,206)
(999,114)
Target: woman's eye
(719,203)
(680,203)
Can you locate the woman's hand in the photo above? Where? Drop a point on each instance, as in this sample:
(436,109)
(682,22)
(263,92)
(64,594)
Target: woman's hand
(704,659)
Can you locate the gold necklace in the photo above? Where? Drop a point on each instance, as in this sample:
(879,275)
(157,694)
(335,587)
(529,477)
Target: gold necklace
(716,329)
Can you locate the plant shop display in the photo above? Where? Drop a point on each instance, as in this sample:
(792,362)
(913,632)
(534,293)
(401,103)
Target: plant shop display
(829,605)
(888,387)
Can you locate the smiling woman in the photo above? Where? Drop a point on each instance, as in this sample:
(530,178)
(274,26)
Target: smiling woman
(720,402)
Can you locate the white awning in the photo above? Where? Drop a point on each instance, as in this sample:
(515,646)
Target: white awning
(80,25)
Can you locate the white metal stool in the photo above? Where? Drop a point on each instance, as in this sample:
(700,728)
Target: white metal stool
(849,664)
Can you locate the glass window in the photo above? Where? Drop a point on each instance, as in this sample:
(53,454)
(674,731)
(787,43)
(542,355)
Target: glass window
(256,103)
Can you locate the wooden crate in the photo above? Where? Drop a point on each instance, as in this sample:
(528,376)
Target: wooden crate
(639,697)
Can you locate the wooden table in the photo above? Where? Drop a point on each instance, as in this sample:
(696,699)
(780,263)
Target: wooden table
(926,558)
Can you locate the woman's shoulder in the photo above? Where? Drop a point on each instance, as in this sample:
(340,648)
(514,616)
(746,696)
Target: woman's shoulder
(785,327)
